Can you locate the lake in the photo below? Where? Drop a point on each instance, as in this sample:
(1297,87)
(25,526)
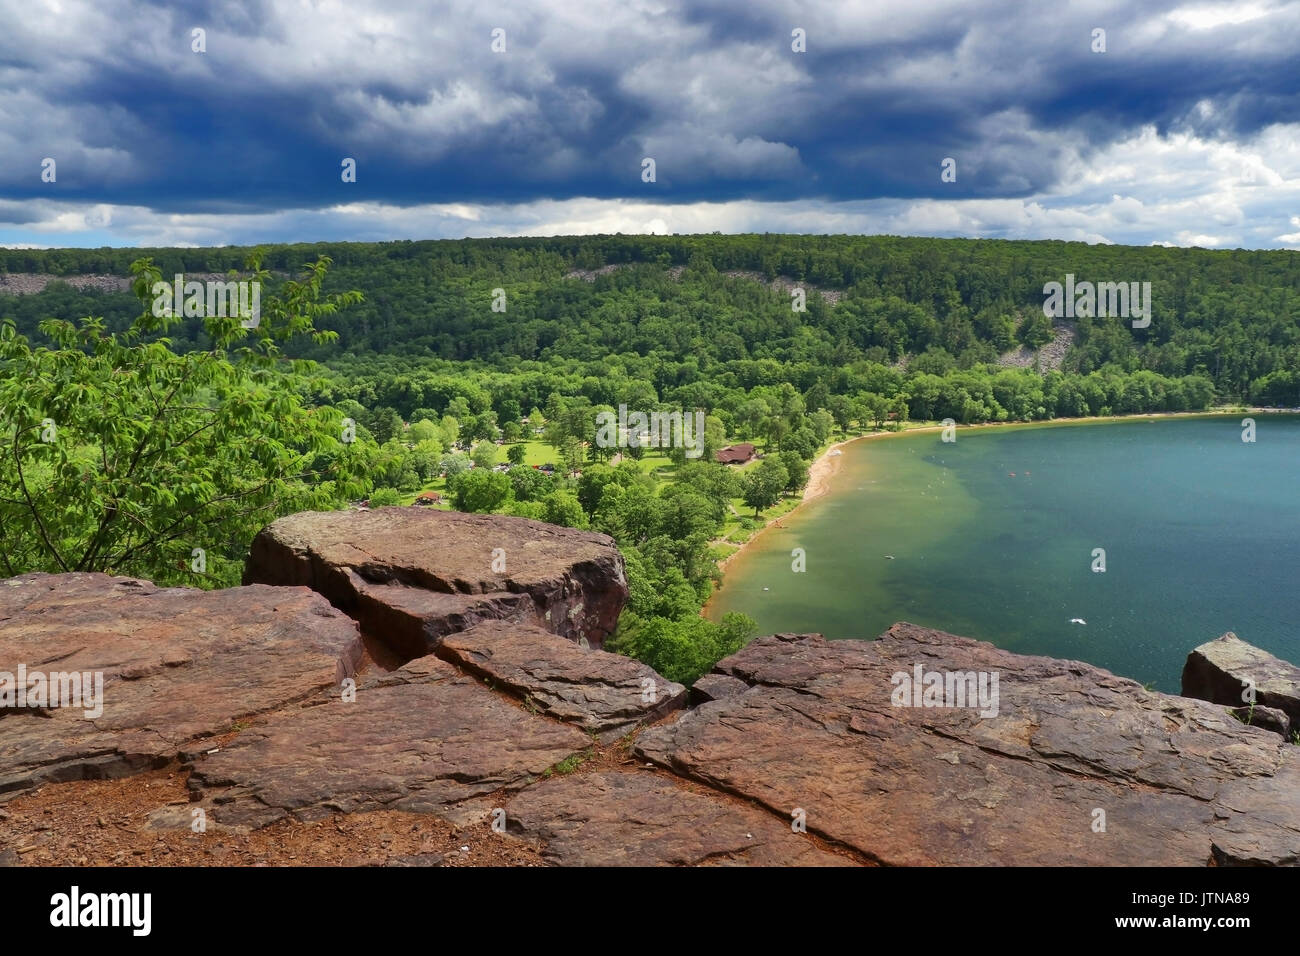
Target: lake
(992,537)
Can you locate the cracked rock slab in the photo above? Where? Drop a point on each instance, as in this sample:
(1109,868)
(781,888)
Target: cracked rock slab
(713,687)
(1223,670)
(643,819)
(177,664)
(605,694)
(1072,749)
(421,738)
(410,576)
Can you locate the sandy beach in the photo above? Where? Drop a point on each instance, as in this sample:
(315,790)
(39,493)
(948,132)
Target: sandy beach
(825,467)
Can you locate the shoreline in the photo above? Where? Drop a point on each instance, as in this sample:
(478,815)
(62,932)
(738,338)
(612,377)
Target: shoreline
(827,466)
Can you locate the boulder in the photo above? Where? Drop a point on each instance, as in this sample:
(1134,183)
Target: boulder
(411,576)
(1222,670)
(604,694)
(1071,765)
(177,664)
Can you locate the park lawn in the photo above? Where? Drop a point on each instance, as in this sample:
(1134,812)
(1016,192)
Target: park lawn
(537,452)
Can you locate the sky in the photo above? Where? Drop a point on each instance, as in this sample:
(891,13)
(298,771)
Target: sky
(1177,124)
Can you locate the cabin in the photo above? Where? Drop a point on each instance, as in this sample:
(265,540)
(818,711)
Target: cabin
(426,498)
(735,454)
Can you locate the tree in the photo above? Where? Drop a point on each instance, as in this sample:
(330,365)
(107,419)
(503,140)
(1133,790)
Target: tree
(385,424)
(530,484)
(718,483)
(480,491)
(516,454)
(423,430)
(841,410)
(687,512)
(118,454)
(458,408)
(796,471)
(385,497)
(453,464)
(822,422)
(510,411)
(1035,330)
(877,408)
(450,431)
(425,458)
(762,484)
(775,428)
(562,508)
(484,455)
(751,415)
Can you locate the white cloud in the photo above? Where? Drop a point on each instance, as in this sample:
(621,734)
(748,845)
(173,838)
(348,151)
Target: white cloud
(1224,14)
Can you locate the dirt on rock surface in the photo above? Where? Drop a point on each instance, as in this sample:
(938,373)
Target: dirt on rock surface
(107,823)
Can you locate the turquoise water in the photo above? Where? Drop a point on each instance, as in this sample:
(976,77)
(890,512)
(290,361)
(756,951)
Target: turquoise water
(1201,533)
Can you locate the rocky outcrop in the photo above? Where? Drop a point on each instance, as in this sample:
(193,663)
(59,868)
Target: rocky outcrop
(30,283)
(604,694)
(1077,766)
(177,664)
(424,737)
(1226,670)
(410,576)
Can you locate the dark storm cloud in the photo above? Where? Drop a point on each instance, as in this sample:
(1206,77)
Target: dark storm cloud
(1013,91)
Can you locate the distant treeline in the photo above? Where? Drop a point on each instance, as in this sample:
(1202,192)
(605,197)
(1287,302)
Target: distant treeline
(1225,324)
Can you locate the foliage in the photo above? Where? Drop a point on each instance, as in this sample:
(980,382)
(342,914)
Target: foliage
(684,649)
(118,454)
(763,483)
(385,497)
(479,490)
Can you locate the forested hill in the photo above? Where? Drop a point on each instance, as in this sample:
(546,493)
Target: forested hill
(1226,321)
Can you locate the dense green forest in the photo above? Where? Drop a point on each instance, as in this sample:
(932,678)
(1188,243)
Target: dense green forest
(453,346)
(1229,316)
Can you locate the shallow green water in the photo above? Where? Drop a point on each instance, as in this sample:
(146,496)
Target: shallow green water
(1201,533)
